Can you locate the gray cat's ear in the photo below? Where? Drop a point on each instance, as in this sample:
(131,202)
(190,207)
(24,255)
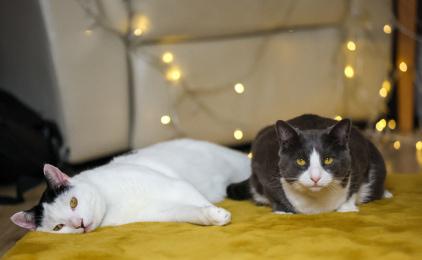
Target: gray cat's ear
(25,219)
(341,131)
(55,177)
(285,132)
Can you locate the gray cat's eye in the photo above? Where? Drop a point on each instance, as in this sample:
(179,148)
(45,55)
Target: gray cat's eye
(300,162)
(328,160)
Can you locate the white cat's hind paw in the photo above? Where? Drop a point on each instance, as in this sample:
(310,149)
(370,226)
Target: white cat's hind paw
(217,216)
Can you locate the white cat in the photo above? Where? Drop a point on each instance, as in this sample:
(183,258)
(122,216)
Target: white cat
(175,181)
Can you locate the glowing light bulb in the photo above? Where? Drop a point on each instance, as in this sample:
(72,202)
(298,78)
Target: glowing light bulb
(140,24)
(165,119)
(88,32)
(387,85)
(351,45)
(383,92)
(380,125)
(349,72)
(396,145)
(392,124)
(239,88)
(173,74)
(238,134)
(138,32)
(419,145)
(387,29)
(338,118)
(403,66)
(250,155)
(167,57)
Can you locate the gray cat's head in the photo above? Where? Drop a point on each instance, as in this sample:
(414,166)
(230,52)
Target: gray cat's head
(66,206)
(313,160)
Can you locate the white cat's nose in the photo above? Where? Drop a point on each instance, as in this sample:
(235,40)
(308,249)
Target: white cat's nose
(76,222)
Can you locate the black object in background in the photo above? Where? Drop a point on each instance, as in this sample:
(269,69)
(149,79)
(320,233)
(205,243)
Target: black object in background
(26,142)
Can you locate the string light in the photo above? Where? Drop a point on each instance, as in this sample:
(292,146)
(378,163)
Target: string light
(419,145)
(167,57)
(239,88)
(349,72)
(351,45)
(238,134)
(173,74)
(396,145)
(383,92)
(338,118)
(165,119)
(385,89)
(387,29)
(250,155)
(88,32)
(141,25)
(138,32)
(392,124)
(380,125)
(403,66)
(387,85)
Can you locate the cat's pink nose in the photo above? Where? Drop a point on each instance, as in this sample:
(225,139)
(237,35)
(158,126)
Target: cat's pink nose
(76,222)
(315,178)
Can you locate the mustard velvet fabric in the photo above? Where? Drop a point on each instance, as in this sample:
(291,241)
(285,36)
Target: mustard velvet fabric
(386,229)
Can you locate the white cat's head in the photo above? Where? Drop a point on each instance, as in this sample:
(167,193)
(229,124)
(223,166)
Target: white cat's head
(68,205)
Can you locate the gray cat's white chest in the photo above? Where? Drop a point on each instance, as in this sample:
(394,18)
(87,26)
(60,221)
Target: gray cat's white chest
(329,199)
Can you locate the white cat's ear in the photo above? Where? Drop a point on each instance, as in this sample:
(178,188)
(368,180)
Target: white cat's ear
(24,219)
(55,177)
(285,132)
(341,131)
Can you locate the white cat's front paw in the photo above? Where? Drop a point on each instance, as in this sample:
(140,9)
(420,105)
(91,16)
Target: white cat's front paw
(348,208)
(217,216)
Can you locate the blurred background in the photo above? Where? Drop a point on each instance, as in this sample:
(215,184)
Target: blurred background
(83,80)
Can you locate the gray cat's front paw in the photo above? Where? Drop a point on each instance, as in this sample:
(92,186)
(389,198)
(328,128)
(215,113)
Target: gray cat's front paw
(348,208)
(282,213)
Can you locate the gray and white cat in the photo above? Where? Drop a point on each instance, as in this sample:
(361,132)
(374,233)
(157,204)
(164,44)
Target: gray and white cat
(175,181)
(312,164)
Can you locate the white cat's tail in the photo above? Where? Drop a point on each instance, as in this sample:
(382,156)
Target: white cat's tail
(387,194)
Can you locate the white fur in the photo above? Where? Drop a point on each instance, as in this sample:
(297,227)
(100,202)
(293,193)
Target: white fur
(387,194)
(365,189)
(171,181)
(349,205)
(258,197)
(310,198)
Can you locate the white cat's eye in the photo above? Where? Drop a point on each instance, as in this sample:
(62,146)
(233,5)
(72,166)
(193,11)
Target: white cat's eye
(328,160)
(58,227)
(300,162)
(73,202)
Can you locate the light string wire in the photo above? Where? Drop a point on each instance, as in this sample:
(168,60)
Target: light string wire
(196,93)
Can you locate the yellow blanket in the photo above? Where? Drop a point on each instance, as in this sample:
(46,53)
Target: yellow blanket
(387,229)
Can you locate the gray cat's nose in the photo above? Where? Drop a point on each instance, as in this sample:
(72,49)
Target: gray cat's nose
(315,178)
